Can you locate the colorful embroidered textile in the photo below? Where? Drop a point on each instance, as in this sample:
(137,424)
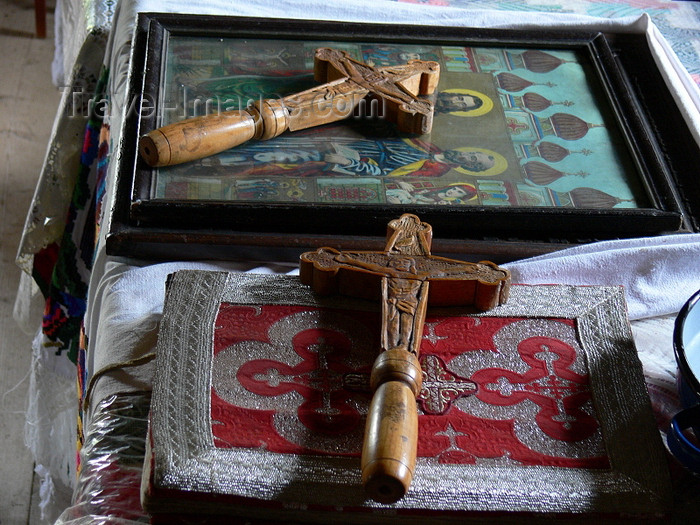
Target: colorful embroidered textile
(62,270)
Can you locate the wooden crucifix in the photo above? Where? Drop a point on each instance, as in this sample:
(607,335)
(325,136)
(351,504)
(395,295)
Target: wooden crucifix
(347,84)
(406,278)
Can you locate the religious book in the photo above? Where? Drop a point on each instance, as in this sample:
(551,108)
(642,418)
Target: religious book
(536,408)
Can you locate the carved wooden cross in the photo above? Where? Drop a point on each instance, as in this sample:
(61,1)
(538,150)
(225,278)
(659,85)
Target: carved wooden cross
(346,84)
(406,277)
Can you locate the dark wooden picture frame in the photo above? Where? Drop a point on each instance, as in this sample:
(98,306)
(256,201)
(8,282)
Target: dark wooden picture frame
(632,93)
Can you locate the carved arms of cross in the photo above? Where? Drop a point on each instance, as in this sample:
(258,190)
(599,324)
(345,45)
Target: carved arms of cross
(346,84)
(406,278)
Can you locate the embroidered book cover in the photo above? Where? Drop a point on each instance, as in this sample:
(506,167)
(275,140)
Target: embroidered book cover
(536,408)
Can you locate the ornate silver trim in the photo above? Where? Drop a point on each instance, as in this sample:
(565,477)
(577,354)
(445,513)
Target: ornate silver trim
(185,458)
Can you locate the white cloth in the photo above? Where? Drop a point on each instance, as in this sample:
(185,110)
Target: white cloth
(129,304)
(659,273)
(80,29)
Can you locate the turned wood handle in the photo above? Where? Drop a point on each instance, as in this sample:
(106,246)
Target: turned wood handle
(391,432)
(196,138)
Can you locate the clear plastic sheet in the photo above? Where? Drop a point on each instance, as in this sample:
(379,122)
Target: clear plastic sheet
(50,429)
(107,490)
(108,487)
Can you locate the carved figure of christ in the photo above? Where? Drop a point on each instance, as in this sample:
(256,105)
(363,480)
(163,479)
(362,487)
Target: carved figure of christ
(346,84)
(406,278)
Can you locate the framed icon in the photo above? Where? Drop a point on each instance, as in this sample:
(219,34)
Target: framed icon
(539,141)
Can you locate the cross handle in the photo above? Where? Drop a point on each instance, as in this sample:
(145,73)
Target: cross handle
(405,277)
(346,84)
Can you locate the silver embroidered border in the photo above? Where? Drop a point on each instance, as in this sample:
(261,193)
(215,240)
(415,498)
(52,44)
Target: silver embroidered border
(185,457)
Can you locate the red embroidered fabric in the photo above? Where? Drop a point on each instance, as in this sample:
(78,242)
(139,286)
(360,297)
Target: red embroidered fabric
(295,379)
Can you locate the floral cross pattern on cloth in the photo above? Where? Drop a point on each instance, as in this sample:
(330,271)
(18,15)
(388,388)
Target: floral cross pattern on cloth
(512,391)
